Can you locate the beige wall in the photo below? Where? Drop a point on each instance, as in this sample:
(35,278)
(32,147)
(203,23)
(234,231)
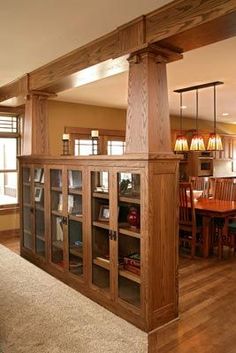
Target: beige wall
(10,221)
(189,124)
(63,114)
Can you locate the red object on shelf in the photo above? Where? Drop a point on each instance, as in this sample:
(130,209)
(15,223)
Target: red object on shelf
(133,217)
(132,262)
(132,269)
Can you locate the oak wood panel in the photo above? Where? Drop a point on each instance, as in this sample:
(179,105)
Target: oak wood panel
(183,15)
(147,122)
(59,73)
(179,17)
(16,88)
(35,132)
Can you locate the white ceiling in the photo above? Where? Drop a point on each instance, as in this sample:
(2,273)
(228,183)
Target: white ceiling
(215,62)
(33,33)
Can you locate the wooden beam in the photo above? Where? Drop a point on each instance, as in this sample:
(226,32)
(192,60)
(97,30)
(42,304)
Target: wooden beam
(16,88)
(12,110)
(183,24)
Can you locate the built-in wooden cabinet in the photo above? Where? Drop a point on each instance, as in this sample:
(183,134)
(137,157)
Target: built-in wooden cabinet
(33,206)
(94,224)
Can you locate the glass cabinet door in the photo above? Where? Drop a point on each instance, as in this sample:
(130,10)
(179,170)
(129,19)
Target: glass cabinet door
(57,233)
(27,207)
(39,214)
(75,221)
(129,249)
(100,229)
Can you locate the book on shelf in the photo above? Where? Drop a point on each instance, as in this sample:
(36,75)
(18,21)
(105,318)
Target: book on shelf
(132,269)
(131,262)
(74,179)
(74,205)
(59,229)
(60,203)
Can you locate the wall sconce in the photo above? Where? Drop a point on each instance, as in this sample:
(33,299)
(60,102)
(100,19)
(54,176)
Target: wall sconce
(66,145)
(95,142)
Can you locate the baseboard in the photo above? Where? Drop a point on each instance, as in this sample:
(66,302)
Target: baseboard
(9,232)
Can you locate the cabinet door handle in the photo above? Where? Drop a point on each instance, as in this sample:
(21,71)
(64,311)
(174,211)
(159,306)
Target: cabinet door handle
(64,220)
(112,234)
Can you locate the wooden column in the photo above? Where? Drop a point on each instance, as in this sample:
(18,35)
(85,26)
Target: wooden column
(148,123)
(35,131)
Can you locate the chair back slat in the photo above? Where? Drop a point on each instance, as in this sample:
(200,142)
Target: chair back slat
(223,189)
(186,204)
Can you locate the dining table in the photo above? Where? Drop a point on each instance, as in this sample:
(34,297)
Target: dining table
(209,209)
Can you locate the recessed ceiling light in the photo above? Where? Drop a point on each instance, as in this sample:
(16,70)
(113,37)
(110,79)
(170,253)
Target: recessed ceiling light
(225,114)
(183,107)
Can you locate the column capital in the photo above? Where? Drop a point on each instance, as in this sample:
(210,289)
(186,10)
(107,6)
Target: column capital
(41,94)
(161,54)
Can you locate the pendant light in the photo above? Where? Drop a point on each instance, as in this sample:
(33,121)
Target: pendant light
(197,142)
(181,143)
(214,142)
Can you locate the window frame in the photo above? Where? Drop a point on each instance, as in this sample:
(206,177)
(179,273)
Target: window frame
(105,135)
(13,207)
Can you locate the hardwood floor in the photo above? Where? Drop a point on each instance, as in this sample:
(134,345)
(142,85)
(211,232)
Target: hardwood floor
(207,321)
(207,310)
(11,241)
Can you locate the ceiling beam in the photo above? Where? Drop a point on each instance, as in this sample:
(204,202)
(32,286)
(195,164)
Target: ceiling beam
(180,26)
(16,88)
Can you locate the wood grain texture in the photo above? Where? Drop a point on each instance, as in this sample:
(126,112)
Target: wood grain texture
(207,310)
(183,24)
(16,88)
(35,132)
(147,122)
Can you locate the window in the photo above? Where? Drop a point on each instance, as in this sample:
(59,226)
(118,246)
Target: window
(85,147)
(9,147)
(115,147)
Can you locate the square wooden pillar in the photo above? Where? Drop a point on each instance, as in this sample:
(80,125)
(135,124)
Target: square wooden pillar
(35,130)
(148,134)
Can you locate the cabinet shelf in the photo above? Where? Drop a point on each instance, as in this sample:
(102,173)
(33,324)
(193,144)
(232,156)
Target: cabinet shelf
(75,191)
(57,213)
(58,244)
(40,185)
(28,232)
(28,205)
(76,251)
(76,218)
(104,263)
(57,189)
(130,275)
(127,230)
(40,237)
(101,195)
(26,183)
(130,199)
(100,224)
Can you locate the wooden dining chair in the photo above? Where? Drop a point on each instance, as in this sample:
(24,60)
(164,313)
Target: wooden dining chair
(227,236)
(223,189)
(188,229)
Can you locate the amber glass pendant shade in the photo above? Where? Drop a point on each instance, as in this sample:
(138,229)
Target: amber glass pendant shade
(215,143)
(181,144)
(197,143)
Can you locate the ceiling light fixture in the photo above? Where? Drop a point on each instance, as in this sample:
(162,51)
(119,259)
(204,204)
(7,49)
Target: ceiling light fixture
(181,143)
(197,142)
(214,142)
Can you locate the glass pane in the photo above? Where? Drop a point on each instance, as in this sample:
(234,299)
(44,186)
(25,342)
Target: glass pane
(39,211)
(57,241)
(115,147)
(8,151)
(100,229)
(76,247)
(8,124)
(86,147)
(8,188)
(57,235)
